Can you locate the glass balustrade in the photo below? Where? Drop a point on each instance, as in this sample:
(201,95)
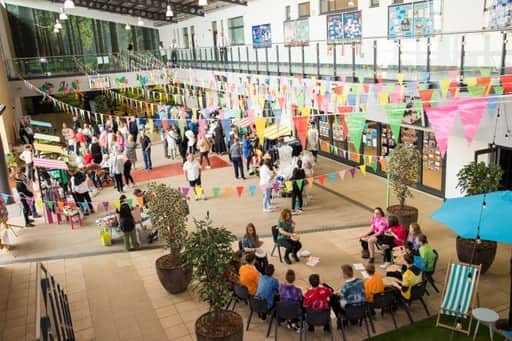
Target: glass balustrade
(432,58)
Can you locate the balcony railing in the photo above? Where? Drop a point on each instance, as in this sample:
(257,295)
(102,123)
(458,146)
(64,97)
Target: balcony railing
(467,54)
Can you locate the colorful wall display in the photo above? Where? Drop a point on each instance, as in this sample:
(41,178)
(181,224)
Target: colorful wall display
(261,36)
(499,14)
(344,27)
(410,20)
(296,32)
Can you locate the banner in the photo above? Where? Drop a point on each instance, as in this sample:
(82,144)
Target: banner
(296,32)
(261,36)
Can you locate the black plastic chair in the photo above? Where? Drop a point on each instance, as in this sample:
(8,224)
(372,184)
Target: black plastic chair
(286,311)
(240,249)
(317,318)
(259,306)
(417,293)
(385,302)
(275,234)
(356,312)
(240,294)
(429,275)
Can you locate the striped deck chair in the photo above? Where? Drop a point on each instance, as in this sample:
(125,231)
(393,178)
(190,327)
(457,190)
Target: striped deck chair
(458,296)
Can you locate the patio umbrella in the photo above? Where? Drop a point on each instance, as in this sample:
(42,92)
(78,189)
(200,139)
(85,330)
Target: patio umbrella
(487,216)
(483,216)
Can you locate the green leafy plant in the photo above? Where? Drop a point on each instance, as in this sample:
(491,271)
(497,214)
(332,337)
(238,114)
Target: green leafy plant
(403,170)
(103,104)
(209,251)
(169,208)
(478,178)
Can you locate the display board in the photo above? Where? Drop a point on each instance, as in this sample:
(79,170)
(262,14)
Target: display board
(499,14)
(296,32)
(99,82)
(344,27)
(261,36)
(410,20)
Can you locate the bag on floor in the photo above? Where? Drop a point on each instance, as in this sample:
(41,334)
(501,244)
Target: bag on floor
(105,238)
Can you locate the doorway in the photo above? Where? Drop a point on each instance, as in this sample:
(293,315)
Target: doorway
(193,41)
(504,159)
(215,33)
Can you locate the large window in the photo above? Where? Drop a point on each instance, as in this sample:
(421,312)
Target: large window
(374,3)
(287,13)
(337,5)
(185,37)
(236,31)
(304,10)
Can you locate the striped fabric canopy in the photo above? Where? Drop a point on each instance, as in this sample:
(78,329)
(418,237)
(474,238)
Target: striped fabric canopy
(50,164)
(245,122)
(459,290)
(49,148)
(271,132)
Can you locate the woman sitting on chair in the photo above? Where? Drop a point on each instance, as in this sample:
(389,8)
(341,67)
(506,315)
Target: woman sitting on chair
(287,237)
(251,243)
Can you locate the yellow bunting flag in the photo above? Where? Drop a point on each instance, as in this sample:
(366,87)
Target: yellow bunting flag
(117,204)
(363,169)
(288,185)
(228,191)
(400,78)
(323,90)
(444,85)
(383,98)
(305,111)
(194,113)
(260,127)
(199,191)
(471,81)
(39,204)
(341,100)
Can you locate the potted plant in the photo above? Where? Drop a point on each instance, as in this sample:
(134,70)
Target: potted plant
(170,210)
(478,178)
(209,251)
(403,172)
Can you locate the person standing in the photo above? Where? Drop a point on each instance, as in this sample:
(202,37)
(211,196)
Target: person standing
(174,53)
(248,151)
(25,196)
(172,142)
(127,224)
(218,134)
(95,150)
(145,143)
(267,176)
(191,141)
(133,128)
(192,170)
(4,228)
(28,157)
(163,135)
(204,149)
(130,150)
(127,172)
(312,143)
(163,52)
(222,45)
(117,169)
(298,176)
(235,154)
(81,190)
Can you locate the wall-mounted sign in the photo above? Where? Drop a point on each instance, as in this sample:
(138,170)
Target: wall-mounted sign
(410,20)
(99,82)
(296,32)
(499,14)
(344,27)
(261,36)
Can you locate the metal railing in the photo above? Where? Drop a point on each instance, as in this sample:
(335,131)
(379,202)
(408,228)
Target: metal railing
(423,59)
(53,317)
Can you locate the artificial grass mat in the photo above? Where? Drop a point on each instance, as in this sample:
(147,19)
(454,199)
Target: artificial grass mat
(427,330)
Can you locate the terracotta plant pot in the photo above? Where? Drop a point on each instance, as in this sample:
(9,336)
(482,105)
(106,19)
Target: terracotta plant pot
(228,327)
(483,253)
(406,214)
(174,278)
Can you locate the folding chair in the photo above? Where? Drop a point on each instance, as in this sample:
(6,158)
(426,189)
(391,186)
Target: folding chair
(275,234)
(458,295)
(429,275)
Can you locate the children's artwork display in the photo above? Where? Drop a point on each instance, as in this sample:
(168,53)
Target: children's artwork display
(296,32)
(344,27)
(410,20)
(499,14)
(261,36)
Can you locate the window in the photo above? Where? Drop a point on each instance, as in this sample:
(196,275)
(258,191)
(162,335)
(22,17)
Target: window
(304,10)
(337,5)
(185,37)
(395,2)
(236,30)
(287,13)
(374,3)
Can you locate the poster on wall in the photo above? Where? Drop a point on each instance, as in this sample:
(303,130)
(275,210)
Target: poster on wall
(344,27)
(423,15)
(296,32)
(99,82)
(261,36)
(335,27)
(400,21)
(499,14)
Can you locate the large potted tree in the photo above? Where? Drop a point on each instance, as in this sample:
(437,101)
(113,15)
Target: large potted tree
(478,178)
(403,171)
(209,251)
(169,209)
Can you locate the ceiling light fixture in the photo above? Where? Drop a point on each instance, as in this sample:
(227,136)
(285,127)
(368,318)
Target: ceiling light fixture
(63,15)
(69,4)
(140,22)
(203,3)
(127,27)
(169,12)
(57,24)
(351,3)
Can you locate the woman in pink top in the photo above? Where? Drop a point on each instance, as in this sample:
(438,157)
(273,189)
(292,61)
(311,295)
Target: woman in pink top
(379,225)
(103,140)
(395,235)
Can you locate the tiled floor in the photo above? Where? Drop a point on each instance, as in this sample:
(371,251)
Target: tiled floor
(117,296)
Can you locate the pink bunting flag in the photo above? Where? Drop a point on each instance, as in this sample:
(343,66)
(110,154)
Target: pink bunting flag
(275,186)
(301,125)
(202,127)
(342,174)
(352,171)
(471,112)
(185,190)
(106,205)
(442,119)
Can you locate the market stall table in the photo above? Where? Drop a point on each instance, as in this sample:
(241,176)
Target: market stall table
(109,222)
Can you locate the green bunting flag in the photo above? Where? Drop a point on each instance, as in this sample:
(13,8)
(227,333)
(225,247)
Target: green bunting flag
(215,191)
(498,90)
(395,113)
(355,125)
(299,183)
(181,125)
(477,90)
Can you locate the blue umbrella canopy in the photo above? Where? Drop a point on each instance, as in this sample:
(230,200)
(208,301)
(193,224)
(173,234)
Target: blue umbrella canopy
(486,215)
